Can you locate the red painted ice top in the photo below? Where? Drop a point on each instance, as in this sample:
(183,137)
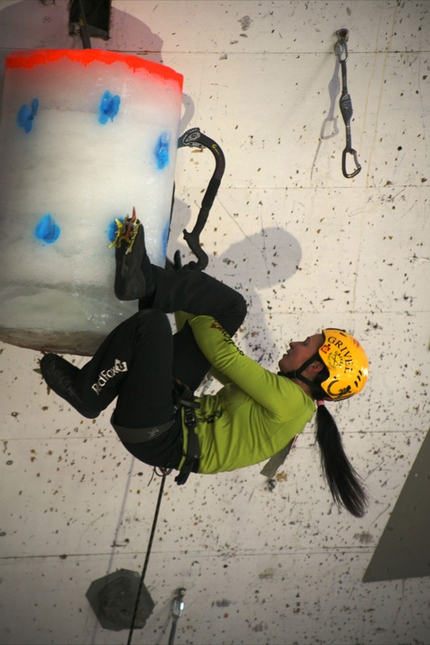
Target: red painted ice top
(30,58)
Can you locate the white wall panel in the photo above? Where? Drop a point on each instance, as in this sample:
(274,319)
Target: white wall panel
(308,248)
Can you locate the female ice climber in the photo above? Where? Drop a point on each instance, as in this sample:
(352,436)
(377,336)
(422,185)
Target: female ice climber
(251,418)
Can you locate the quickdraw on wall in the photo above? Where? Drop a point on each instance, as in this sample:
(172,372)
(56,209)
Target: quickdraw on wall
(345,104)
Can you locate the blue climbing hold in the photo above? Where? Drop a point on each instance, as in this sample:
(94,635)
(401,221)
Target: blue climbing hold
(47,230)
(162,150)
(26,115)
(109,107)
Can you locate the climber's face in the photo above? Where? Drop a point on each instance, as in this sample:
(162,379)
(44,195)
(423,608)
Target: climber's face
(299,352)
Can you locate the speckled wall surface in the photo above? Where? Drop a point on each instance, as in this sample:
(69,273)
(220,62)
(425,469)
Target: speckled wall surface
(308,248)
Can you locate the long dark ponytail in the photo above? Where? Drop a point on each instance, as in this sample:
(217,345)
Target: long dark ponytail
(344,483)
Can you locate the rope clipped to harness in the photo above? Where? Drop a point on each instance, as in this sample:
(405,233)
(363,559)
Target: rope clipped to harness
(182,396)
(196,139)
(163,474)
(345,103)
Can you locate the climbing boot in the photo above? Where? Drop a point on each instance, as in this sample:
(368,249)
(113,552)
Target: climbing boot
(59,375)
(130,253)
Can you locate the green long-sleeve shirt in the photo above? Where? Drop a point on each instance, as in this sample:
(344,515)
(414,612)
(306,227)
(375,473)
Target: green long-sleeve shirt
(254,416)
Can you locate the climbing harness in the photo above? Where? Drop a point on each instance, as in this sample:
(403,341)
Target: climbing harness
(183,398)
(193,138)
(140,435)
(345,103)
(193,449)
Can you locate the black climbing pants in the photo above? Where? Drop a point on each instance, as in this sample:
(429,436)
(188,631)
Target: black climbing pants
(139,359)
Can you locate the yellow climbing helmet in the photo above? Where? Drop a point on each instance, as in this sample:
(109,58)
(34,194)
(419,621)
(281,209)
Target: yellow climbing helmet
(346,362)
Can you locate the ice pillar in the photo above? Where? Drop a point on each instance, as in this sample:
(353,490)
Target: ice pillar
(85,135)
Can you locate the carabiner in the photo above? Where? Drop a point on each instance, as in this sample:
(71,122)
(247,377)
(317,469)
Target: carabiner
(352,152)
(341,48)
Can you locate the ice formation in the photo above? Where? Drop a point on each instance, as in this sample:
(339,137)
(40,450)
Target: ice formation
(85,135)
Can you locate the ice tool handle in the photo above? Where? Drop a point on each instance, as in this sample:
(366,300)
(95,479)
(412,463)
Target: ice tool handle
(345,103)
(195,139)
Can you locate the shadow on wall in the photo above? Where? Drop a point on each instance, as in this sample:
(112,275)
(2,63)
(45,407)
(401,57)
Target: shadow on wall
(262,262)
(31,24)
(329,127)
(259,266)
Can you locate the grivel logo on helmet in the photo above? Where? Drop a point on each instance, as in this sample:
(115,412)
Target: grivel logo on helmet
(338,354)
